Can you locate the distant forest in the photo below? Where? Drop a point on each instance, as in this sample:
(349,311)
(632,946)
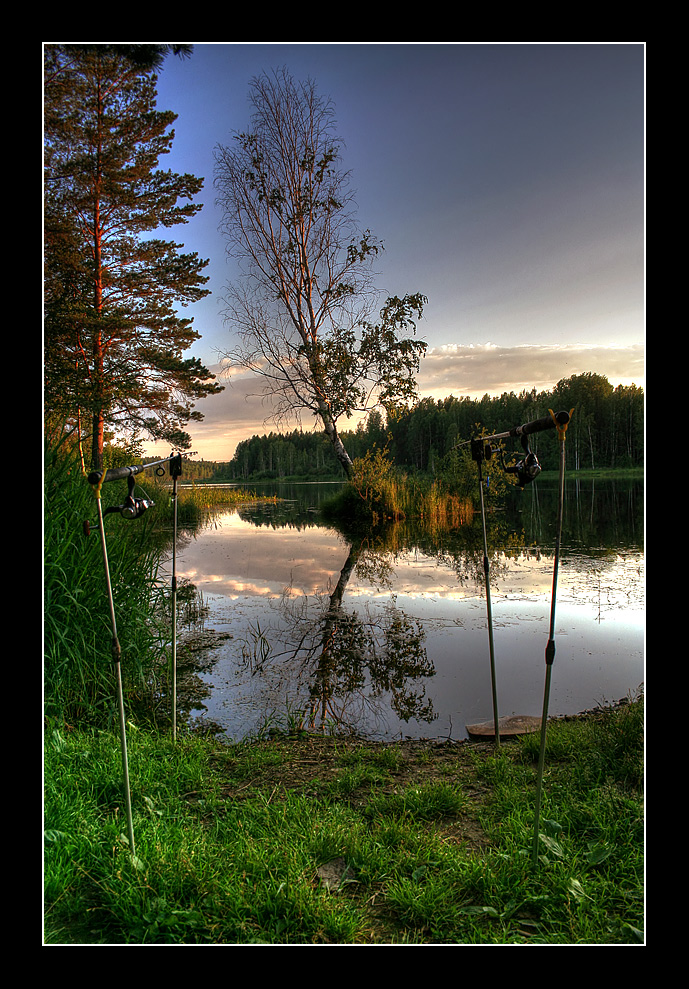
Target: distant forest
(606,431)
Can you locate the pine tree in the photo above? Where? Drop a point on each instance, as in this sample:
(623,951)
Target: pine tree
(114,341)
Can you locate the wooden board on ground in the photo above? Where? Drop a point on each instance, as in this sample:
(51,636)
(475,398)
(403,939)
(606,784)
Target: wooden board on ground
(509,727)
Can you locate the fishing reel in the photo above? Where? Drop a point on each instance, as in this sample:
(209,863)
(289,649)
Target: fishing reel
(528,469)
(131,507)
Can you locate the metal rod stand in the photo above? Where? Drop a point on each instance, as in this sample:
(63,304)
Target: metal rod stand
(562,424)
(478,454)
(132,509)
(175,470)
(116,655)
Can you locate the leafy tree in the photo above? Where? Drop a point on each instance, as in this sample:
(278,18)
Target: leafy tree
(114,341)
(589,394)
(302,308)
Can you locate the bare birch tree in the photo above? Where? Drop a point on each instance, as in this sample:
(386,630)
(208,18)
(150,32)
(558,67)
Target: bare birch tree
(302,308)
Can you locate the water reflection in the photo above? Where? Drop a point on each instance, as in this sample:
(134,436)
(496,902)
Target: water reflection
(387,633)
(347,659)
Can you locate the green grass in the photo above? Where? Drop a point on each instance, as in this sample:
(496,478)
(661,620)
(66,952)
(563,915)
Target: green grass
(429,844)
(194,500)
(78,667)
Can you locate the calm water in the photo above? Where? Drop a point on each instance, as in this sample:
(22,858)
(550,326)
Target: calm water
(389,637)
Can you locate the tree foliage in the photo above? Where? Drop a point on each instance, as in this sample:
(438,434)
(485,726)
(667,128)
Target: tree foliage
(606,431)
(302,308)
(114,339)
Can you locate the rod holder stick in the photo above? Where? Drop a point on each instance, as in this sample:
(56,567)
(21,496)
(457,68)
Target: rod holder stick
(541,764)
(550,646)
(174,606)
(489,610)
(116,656)
(175,473)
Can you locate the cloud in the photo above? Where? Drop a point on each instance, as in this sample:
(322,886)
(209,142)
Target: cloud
(476,370)
(236,414)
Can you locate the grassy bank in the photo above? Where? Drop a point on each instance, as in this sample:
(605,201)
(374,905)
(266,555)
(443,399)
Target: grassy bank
(327,841)
(304,840)
(602,474)
(78,672)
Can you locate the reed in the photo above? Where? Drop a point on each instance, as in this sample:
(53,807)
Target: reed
(196,500)
(79,681)
(396,498)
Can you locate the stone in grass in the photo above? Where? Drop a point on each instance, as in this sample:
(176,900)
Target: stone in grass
(334,873)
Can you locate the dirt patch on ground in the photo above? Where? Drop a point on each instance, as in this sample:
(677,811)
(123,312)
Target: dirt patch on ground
(315,765)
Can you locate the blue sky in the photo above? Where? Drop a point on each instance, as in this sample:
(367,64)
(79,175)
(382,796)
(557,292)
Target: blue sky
(506,182)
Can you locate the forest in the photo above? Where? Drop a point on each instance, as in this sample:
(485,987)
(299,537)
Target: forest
(606,432)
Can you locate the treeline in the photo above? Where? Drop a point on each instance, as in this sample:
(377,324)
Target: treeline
(606,431)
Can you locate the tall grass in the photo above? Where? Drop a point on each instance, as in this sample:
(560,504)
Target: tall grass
(79,677)
(378,494)
(194,501)
(399,498)
(79,680)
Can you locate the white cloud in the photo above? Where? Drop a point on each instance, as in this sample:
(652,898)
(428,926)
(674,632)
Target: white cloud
(474,370)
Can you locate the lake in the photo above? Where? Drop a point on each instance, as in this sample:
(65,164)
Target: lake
(387,635)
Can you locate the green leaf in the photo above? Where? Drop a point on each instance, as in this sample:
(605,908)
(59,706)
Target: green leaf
(54,836)
(57,741)
(476,911)
(577,890)
(152,807)
(553,846)
(598,854)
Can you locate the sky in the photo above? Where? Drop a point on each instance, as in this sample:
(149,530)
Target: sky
(506,182)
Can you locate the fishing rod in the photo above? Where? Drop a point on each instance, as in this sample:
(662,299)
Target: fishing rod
(527,470)
(552,421)
(131,508)
(550,646)
(481,452)
(99,477)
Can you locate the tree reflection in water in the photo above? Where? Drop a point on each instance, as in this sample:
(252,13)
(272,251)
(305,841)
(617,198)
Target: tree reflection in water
(313,648)
(347,660)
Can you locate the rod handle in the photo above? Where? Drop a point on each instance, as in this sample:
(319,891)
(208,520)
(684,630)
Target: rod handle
(538,425)
(118,473)
(114,474)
